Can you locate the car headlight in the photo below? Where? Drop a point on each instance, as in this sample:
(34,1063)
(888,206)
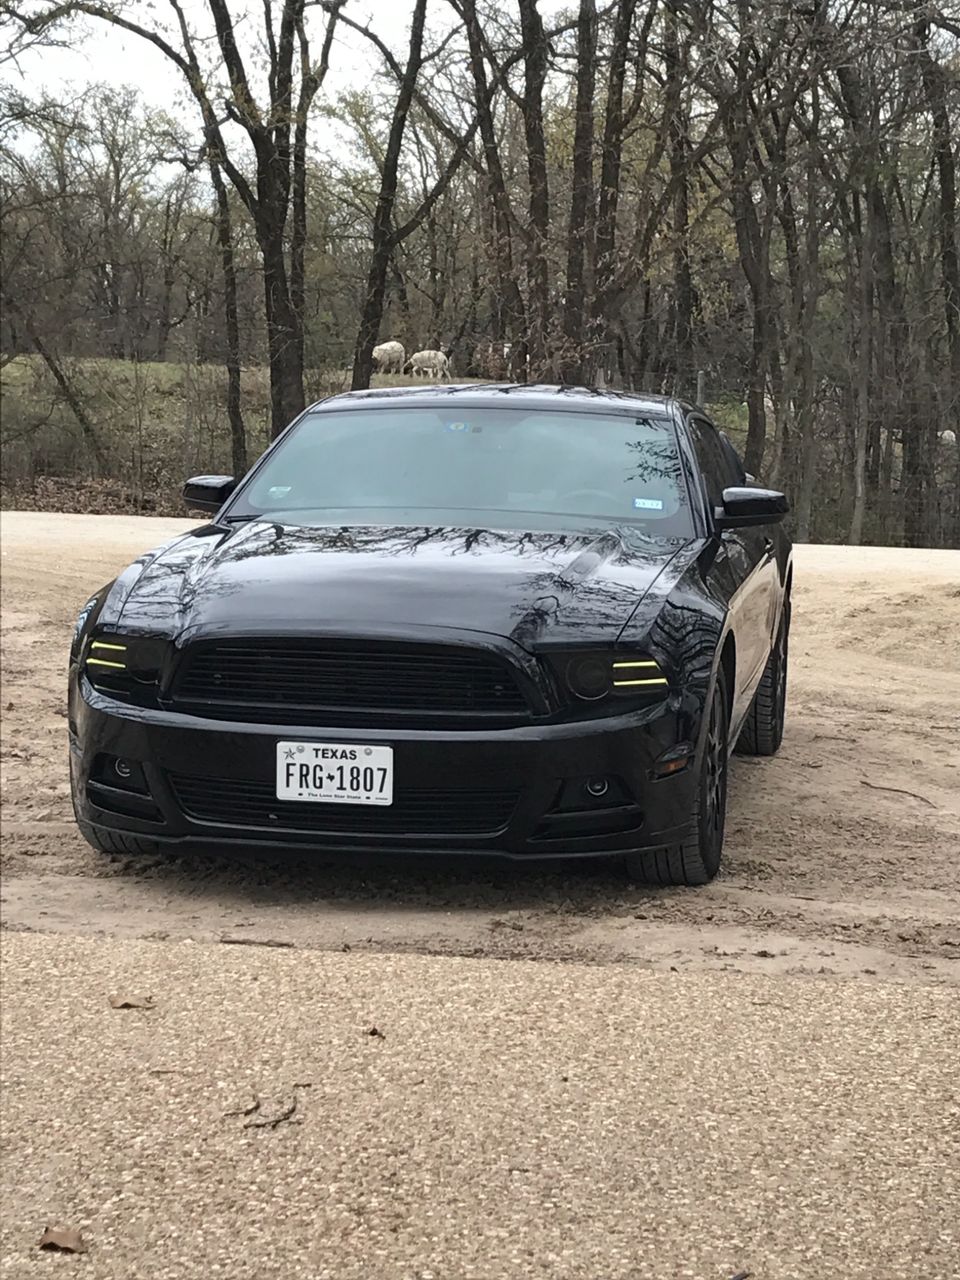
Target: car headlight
(590,677)
(125,666)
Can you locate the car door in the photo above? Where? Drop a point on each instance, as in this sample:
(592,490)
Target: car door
(745,567)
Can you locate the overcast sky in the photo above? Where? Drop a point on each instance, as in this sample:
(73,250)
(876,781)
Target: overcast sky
(101,53)
(95,52)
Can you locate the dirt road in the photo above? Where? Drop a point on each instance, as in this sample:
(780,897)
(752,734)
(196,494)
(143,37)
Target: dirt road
(843,853)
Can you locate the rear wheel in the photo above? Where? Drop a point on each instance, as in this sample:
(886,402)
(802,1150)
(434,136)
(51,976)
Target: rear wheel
(762,730)
(696,860)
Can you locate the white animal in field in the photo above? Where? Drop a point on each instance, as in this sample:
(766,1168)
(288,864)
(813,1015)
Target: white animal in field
(389,357)
(426,363)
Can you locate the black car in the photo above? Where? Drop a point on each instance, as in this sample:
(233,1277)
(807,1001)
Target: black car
(522,620)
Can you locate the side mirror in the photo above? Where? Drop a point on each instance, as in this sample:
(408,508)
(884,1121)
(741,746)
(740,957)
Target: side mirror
(208,493)
(745,507)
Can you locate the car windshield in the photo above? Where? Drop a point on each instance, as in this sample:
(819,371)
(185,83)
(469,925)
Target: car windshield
(621,468)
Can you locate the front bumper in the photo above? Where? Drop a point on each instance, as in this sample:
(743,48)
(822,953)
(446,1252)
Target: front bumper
(543,766)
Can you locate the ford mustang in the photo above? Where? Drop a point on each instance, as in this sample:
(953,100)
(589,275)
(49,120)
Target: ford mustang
(531,621)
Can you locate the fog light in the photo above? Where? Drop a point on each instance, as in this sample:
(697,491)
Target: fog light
(597,787)
(122,768)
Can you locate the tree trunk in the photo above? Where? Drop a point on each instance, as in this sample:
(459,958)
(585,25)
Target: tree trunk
(576,365)
(508,301)
(676,75)
(753,246)
(283,333)
(611,147)
(864,353)
(934,83)
(382,240)
(535,74)
(238,434)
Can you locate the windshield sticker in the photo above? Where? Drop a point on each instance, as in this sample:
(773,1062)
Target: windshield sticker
(648,504)
(457,426)
(277,491)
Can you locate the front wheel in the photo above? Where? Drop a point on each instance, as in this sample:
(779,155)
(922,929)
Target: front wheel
(104,840)
(696,860)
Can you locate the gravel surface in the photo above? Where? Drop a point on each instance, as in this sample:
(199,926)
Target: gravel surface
(511,1119)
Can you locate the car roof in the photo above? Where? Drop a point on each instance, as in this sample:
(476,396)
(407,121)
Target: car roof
(495,394)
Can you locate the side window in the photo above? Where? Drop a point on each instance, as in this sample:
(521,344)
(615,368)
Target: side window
(716,466)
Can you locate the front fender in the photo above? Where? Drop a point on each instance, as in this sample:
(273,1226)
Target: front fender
(686,637)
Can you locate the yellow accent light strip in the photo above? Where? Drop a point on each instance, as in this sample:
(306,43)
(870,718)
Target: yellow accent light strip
(622,684)
(617,666)
(102,662)
(102,644)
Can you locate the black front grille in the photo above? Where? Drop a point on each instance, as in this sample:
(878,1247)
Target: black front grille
(416,811)
(284,682)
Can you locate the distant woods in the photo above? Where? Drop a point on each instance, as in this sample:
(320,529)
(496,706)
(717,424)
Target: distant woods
(627,194)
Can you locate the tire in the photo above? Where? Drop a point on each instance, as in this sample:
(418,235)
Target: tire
(106,841)
(696,860)
(762,730)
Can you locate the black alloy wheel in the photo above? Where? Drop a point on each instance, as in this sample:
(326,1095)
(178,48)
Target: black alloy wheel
(696,860)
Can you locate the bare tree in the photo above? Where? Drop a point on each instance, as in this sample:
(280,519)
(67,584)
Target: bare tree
(276,145)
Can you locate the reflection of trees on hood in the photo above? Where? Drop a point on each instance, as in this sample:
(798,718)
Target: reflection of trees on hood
(566,575)
(584,600)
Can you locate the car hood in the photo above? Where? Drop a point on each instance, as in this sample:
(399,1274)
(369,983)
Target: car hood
(266,577)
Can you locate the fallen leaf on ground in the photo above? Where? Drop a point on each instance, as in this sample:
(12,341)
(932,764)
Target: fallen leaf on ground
(62,1240)
(131,1002)
(375,1031)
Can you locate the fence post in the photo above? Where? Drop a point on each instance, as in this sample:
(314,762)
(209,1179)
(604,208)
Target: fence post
(701,386)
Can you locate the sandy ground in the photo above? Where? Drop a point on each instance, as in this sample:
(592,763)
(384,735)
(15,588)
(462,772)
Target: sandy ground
(826,870)
(573,1079)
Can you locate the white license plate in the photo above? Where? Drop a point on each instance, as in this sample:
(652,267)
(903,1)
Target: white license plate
(334,773)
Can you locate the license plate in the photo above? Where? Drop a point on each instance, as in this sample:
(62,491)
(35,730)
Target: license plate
(334,773)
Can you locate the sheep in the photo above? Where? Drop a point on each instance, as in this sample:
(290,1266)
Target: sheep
(389,357)
(427,362)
